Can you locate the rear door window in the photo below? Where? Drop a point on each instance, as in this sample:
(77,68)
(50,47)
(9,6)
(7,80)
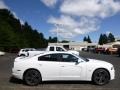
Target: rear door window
(49,57)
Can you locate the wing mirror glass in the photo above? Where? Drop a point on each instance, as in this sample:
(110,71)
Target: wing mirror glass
(78,61)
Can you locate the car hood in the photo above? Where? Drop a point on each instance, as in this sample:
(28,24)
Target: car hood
(99,62)
(73,52)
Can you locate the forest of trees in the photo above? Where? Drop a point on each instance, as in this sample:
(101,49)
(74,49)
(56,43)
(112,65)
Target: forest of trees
(102,40)
(106,39)
(15,35)
(87,39)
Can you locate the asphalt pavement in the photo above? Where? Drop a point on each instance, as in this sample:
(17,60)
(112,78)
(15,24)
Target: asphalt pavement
(9,83)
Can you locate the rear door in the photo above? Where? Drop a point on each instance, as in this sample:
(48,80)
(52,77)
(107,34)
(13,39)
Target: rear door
(49,67)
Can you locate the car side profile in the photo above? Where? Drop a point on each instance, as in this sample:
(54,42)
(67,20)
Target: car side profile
(24,52)
(52,66)
(2,53)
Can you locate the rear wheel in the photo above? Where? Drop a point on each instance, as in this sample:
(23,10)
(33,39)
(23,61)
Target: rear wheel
(32,77)
(101,77)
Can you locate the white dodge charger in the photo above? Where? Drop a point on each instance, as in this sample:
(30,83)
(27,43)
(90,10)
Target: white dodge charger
(52,66)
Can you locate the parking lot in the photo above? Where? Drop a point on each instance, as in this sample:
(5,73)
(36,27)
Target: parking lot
(8,83)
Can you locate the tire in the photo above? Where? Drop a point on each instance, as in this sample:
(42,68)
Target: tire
(32,77)
(101,77)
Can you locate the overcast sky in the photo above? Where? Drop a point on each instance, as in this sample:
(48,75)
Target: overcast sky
(74,18)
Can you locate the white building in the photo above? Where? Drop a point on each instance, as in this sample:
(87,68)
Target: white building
(74,45)
(112,44)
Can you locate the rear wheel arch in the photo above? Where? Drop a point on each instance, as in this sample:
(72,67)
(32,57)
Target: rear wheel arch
(31,69)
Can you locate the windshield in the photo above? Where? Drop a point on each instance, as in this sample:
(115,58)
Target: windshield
(85,59)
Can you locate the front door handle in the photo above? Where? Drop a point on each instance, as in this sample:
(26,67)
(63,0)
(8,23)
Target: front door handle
(62,66)
(40,64)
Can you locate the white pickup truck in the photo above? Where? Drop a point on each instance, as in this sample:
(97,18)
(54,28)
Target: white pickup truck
(48,49)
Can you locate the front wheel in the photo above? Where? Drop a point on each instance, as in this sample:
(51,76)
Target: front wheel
(101,77)
(32,77)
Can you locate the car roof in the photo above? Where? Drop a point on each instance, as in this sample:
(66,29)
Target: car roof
(56,52)
(44,53)
(27,48)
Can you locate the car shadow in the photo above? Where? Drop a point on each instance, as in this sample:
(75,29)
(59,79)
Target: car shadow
(18,81)
(67,82)
(15,81)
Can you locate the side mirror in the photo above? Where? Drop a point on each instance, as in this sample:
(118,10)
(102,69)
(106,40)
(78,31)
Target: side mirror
(77,62)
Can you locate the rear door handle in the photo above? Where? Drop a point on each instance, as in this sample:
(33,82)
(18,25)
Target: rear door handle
(62,66)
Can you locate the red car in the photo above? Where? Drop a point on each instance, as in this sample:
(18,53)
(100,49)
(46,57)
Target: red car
(119,52)
(112,50)
(100,50)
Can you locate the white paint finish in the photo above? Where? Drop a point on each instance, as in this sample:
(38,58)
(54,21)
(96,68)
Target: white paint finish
(71,71)
(51,70)
(33,52)
(2,53)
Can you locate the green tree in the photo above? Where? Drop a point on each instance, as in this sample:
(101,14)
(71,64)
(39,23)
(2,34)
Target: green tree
(101,40)
(111,37)
(85,39)
(52,39)
(15,35)
(89,40)
(105,39)
(64,41)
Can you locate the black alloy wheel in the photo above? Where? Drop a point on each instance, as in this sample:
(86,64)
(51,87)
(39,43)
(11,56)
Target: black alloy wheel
(32,77)
(101,77)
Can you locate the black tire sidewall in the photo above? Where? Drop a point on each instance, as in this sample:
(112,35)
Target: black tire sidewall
(38,81)
(98,70)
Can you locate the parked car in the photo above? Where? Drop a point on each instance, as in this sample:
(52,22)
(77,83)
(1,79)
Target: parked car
(100,50)
(91,48)
(112,50)
(2,53)
(49,49)
(119,52)
(52,66)
(84,49)
(24,52)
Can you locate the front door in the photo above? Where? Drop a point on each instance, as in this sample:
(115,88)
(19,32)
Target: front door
(69,68)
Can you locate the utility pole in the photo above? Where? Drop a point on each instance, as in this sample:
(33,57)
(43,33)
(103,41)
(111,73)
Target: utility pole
(57,27)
